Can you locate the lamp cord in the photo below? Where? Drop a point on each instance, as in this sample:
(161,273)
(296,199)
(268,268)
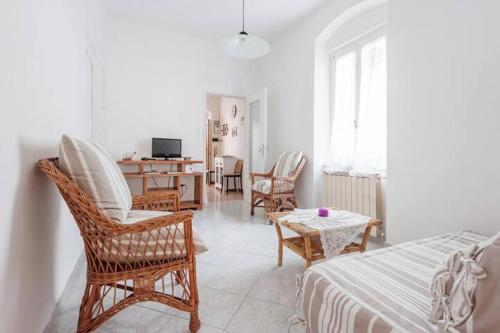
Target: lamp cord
(243,15)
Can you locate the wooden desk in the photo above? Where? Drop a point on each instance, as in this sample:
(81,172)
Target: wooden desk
(179,170)
(308,243)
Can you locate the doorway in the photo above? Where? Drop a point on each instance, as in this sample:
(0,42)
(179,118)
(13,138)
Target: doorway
(225,146)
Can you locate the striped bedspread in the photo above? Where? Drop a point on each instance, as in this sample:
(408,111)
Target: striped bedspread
(381,291)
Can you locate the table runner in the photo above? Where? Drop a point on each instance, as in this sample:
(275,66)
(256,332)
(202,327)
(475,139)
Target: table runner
(336,231)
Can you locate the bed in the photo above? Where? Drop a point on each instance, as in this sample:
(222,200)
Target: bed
(379,291)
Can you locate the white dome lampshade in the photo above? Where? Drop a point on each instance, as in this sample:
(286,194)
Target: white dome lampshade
(245,46)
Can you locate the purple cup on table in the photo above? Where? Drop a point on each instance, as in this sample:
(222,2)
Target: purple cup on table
(323,212)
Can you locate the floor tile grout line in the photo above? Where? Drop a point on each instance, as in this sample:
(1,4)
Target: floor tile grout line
(244,299)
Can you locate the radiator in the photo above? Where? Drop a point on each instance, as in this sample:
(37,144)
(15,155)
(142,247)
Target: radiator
(358,194)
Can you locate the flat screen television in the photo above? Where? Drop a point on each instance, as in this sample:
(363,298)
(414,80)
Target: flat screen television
(167,148)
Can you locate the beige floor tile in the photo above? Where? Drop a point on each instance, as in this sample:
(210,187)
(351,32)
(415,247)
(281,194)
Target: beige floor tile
(275,289)
(234,280)
(260,316)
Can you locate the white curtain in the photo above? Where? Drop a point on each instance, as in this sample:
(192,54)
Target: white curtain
(342,143)
(359,128)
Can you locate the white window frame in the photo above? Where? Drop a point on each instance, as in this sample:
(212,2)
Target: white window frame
(353,45)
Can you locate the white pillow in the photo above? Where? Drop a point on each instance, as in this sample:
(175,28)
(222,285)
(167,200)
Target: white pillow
(95,172)
(464,288)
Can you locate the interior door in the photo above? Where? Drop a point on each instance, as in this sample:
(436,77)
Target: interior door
(256,137)
(257,120)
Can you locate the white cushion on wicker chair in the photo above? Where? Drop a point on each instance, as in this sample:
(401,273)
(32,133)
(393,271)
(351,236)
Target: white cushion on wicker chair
(262,186)
(159,244)
(287,163)
(95,172)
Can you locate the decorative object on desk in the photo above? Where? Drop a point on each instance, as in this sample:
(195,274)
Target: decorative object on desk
(129,156)
(323,212)
(224,129)
(234,111)
(234,131)
(188,158)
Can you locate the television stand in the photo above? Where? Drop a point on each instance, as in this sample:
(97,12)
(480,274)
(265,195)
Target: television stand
(177,174)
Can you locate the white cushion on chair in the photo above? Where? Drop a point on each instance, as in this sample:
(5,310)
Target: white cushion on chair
(162,243)
(95,172)
(135,216)
(287,163)
(262,186)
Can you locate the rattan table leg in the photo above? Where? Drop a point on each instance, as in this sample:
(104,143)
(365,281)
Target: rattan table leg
(307,243)
(366,236)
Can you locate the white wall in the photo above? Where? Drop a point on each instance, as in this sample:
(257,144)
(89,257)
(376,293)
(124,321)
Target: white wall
(232,145)
(357,26)
(44,92)
(156,86)
(443,156)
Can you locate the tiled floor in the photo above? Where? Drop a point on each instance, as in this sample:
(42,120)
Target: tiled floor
(241,287)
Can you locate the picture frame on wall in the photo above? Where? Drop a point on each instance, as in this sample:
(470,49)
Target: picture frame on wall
(224,130)
(234,131)
(216,128)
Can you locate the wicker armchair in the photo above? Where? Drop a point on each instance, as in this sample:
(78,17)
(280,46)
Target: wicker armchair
(282,190)
(119,276)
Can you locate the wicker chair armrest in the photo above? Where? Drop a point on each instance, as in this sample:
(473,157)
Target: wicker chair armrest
(282,178)
(259,176)
(262,175)
(163,200)
(281,184)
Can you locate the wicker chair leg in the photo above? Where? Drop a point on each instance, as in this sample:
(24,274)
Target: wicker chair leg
(90,297)
(253,202)
(194,322)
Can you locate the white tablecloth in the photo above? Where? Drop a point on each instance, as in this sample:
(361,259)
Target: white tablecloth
(337,230)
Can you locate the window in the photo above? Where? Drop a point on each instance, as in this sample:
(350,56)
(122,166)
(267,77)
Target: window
(359,109)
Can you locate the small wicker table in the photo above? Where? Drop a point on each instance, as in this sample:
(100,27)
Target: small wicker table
(308,243)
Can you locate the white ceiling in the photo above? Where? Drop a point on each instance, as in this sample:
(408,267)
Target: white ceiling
(213,19)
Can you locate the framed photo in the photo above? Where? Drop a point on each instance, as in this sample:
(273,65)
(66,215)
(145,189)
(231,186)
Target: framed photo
(224,130)
(216,127)
(234,131)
